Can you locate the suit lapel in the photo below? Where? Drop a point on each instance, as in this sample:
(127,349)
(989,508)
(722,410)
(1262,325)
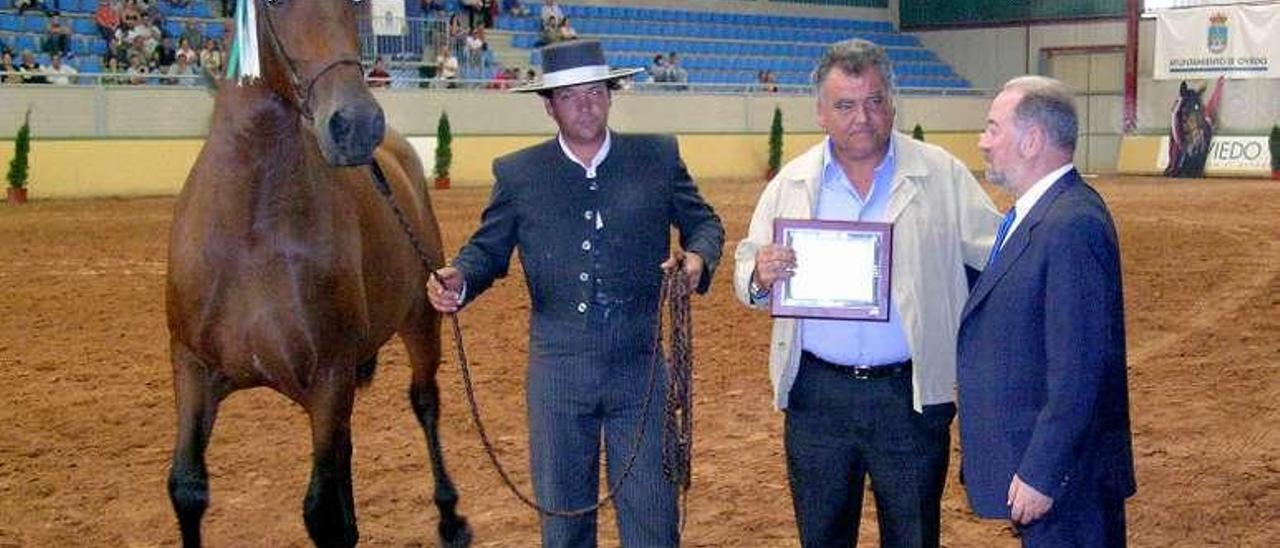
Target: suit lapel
(1017,242)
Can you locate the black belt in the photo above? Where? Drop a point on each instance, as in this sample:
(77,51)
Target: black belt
(860,372)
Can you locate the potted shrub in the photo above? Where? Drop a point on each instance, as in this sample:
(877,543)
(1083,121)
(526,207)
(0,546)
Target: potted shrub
(775,144)
(917,133)
(18,167)
(1275,152)
(444,151)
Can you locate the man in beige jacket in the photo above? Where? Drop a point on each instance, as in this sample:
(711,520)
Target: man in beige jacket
(870,398)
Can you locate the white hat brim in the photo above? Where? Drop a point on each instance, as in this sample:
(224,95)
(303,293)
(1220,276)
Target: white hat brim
(542,84)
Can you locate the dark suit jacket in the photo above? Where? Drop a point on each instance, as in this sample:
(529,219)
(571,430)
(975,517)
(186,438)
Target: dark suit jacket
(1041,359)
(543,204)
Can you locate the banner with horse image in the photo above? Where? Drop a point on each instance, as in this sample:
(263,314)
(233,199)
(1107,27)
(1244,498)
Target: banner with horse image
(1191,130)
(1235,41)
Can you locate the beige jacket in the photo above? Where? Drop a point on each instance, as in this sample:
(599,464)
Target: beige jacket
(942,220)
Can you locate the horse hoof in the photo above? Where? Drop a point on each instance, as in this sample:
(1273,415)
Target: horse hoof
(456,534)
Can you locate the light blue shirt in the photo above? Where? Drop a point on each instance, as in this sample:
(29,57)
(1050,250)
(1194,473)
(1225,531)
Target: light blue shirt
(852,342)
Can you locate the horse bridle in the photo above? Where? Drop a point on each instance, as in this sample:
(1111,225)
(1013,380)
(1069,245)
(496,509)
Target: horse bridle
(301,97)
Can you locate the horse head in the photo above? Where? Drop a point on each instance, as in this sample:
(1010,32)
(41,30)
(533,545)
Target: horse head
(311,56)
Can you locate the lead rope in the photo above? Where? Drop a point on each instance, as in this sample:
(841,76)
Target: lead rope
(678,421)
(677,434)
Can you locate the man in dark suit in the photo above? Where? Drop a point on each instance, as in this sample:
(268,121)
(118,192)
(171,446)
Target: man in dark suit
(591,212)
(1043,396)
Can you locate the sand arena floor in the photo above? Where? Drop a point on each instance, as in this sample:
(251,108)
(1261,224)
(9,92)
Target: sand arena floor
(87,420)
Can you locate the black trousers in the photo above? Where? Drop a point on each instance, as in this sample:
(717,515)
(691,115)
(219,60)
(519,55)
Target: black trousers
(841,430)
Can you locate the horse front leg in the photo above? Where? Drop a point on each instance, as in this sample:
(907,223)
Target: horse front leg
(197,405)
(422,340)
(329,507)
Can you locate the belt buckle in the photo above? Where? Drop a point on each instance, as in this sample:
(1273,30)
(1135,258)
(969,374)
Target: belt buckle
(861,373)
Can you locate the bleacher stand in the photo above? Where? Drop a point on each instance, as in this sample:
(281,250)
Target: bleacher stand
(714,48)
(733,48)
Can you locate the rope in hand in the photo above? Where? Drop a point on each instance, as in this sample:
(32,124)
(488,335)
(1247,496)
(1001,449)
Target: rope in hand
(677,439)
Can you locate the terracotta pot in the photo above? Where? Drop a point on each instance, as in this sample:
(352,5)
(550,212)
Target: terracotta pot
(442,183)
(17,195)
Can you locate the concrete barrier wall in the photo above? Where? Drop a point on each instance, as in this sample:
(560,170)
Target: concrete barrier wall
(91,141)
(82,168)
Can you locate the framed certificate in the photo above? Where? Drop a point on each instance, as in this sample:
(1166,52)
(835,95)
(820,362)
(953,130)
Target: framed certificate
(842,270)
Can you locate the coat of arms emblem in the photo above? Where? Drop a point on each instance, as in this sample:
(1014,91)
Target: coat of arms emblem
(1217,33)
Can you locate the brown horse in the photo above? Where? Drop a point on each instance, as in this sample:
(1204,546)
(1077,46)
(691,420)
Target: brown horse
(288,270)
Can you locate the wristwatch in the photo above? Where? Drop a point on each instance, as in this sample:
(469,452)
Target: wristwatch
(757,293)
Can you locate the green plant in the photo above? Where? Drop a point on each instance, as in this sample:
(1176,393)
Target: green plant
(917,133)
(444,147)
(775,142)
(18,167)
(1275,148)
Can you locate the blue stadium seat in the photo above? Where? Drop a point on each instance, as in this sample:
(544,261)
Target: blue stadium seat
(35,23)
(84,26)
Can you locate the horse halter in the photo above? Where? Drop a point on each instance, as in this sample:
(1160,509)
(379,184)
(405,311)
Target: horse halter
(301,97)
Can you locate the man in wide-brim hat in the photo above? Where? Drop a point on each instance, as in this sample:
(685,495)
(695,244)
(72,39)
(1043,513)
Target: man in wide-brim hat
(591,212)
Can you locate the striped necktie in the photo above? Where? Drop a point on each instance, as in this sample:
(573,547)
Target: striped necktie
(1000,234)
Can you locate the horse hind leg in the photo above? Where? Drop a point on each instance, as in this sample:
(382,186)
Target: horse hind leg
(422,340)
(329,507)
(197,404)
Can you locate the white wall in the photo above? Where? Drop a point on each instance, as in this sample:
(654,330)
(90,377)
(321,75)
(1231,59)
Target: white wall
(988,57)
(80,112)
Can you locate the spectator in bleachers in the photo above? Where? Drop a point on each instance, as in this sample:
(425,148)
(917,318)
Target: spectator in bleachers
(476,48)
(9,72)
(119,49)
(676,73)
(550,32)
(141,35)
(130,13)
(530,76)
(137,70)
(184,49)
(448,63)
(59,73)
(658,70)
(504,78)
(30,68)
(165,54)
(107,17)
(138,48)
(566,30)
(192,34)
(57,36)
(768,81)
(113,73)
(551,11)
(211,58)
(457,33)
(183,68)
(378,77)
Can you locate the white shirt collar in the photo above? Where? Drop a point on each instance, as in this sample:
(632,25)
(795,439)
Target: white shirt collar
(596,161)
(1032,195)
